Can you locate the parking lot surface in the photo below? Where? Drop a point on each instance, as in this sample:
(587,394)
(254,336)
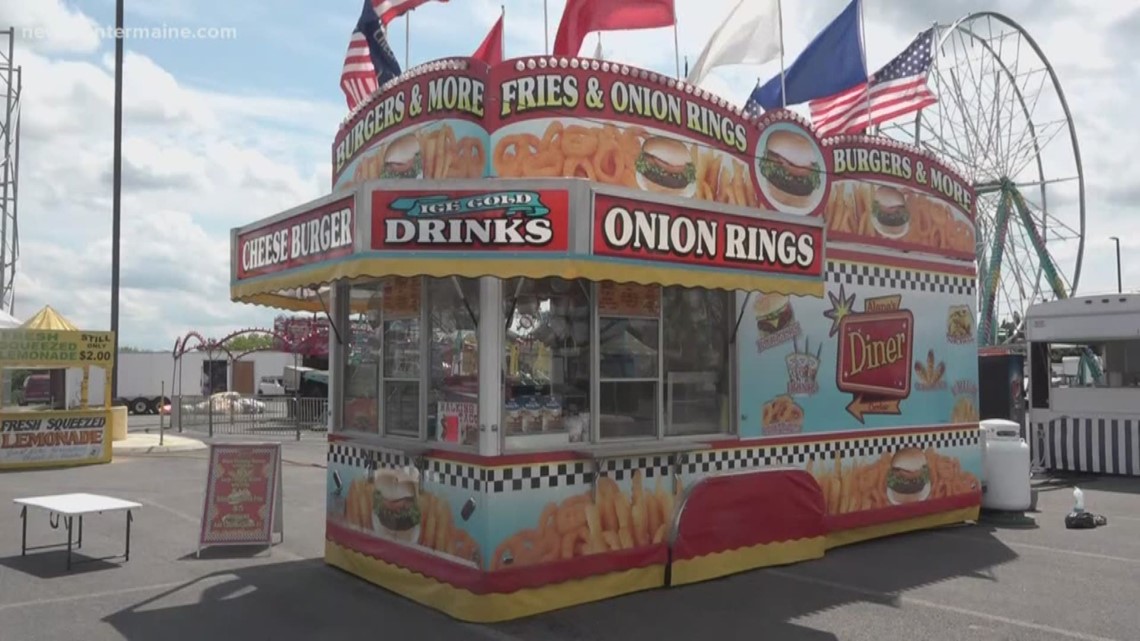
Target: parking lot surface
(984,581)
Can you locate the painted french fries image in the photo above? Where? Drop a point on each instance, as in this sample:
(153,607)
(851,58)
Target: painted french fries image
(581,525)
(855,487)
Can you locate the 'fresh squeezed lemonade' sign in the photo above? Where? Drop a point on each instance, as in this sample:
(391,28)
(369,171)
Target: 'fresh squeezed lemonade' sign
(56,437)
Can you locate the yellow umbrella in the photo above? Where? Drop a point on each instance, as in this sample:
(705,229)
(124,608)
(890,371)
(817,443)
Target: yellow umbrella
(50,320)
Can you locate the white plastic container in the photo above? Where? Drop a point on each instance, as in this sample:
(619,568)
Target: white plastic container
(1005,462)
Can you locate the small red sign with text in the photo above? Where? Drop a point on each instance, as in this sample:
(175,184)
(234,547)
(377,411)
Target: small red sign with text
(321,234)
(631,228)
(508,220)
(875,354)
(241,494)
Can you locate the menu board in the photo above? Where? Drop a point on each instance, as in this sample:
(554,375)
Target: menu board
(629,300)
(401,298)
(243,495)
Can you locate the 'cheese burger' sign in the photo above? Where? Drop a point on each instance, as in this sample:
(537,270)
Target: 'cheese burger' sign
(321,234)
(628,228)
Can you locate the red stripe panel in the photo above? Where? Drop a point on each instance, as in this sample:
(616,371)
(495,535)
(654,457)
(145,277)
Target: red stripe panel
(740,510)
(501,581)
(867,518)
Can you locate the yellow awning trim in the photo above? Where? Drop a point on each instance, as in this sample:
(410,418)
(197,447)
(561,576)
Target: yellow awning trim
(267,291)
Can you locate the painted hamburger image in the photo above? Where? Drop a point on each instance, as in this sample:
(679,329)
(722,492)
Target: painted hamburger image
(908,480)
(792,168)
(396,506)
(889,215)
(773,313)
(403,158)
(666,166)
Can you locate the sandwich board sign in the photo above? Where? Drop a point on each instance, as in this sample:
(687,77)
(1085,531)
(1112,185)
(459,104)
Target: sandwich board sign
(243,502)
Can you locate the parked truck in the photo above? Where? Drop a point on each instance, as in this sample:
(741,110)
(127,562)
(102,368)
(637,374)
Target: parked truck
(147,380)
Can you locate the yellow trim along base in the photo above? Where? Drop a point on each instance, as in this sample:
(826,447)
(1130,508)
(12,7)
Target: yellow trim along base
(491,608)
(718,564)
(847,537)
(266,290)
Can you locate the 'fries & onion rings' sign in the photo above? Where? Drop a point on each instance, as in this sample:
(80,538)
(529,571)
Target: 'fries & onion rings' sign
(313,236)
(619,126)
(505,220)
(628,228)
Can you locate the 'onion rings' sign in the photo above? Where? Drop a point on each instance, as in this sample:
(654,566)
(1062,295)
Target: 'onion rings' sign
(505,220)
(649,231)
(317,235)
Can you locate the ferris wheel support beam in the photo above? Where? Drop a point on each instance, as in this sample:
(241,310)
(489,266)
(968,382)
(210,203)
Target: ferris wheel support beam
(1021,99)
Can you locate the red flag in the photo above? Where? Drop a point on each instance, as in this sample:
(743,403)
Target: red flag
(491,51)
(583,16)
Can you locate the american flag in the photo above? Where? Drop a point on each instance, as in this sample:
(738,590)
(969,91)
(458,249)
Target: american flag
(898,88)
(389,10)
(369,61)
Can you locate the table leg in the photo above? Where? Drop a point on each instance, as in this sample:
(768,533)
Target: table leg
(127,554)
(24,533)
(80,543)
(68,543)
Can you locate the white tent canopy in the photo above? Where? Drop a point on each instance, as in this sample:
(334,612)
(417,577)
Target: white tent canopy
(8,321)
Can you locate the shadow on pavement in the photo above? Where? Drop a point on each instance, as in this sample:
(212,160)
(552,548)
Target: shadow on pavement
(50,564)
(308,600)
(770,603)
(290,600)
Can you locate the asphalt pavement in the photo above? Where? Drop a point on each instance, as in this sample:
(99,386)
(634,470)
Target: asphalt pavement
(979,582)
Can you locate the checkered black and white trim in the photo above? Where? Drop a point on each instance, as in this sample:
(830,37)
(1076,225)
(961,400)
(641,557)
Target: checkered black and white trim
(366,457)
(498,480)
(894,278)
(799,454)
(533,477)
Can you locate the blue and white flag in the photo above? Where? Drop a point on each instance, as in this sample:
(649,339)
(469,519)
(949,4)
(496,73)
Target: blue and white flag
(831,63)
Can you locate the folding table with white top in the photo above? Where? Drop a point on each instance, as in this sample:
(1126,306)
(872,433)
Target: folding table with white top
(70,506)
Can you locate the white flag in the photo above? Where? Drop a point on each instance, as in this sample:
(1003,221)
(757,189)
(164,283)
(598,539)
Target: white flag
(750,35)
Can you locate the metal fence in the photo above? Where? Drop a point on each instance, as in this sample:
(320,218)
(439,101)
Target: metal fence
(231,413)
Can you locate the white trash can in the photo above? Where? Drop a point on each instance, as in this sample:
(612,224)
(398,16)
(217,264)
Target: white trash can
(1005,467)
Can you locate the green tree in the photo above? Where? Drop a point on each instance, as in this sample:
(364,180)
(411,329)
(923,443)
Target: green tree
(250,342)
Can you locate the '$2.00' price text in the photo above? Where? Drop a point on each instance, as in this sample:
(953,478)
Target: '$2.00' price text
(95,356)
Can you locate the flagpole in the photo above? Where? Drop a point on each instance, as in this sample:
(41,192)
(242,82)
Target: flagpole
(676,48)
(545,28)
(407,38)
(783,85)
(503,30)
(863,50)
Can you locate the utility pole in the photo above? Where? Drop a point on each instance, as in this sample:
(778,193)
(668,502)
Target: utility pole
(116,194)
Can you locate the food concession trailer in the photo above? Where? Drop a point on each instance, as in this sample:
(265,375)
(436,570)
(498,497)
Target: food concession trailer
(622,335)
(1089,427)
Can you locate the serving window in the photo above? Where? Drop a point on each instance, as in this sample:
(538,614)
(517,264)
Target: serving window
(581,361)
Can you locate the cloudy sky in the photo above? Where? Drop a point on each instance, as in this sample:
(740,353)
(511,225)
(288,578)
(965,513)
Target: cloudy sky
(221,132)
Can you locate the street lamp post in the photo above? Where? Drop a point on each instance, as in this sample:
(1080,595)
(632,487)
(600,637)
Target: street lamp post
(1119,286)
(116,188)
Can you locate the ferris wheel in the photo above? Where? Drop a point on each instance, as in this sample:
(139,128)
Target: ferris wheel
(1003,122)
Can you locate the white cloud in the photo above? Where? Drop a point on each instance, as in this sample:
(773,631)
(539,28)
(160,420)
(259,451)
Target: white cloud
(195,164)
(50,27)
(199,161)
